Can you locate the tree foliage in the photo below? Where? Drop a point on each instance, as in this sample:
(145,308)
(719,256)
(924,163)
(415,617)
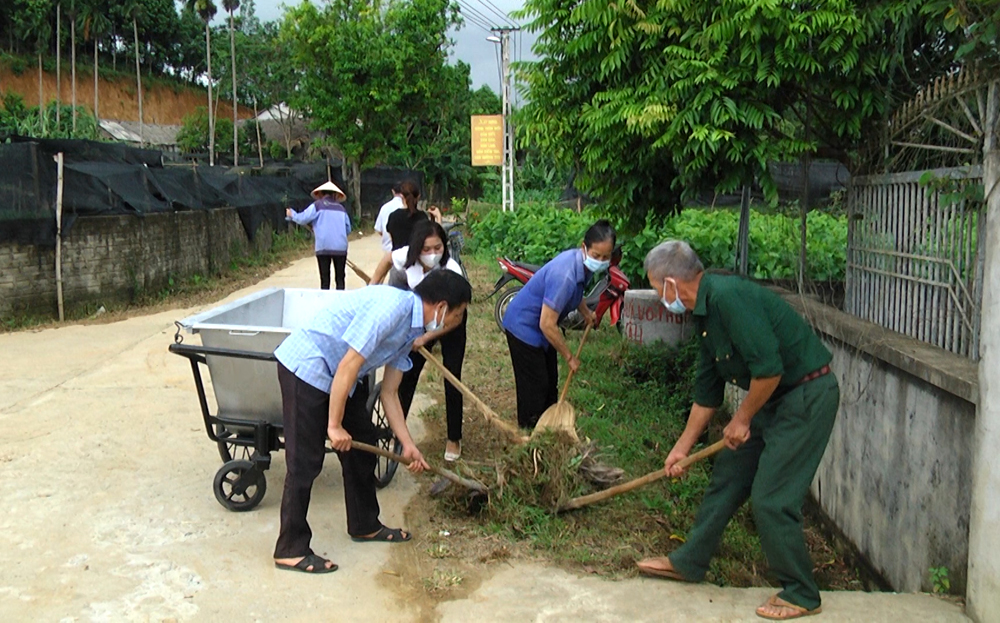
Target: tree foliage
(652,99)
(368,70)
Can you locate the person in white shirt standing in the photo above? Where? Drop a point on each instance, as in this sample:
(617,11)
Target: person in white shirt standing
(383,215)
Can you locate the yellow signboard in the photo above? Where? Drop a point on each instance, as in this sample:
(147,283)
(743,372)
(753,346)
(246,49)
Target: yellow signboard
(487,140)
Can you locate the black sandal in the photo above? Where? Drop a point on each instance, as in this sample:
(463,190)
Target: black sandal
(385,535)
(318,564)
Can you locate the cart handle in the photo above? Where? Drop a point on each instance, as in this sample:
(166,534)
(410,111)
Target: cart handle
(192,351)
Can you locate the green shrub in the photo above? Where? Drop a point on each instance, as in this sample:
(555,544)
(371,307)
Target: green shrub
(536,232)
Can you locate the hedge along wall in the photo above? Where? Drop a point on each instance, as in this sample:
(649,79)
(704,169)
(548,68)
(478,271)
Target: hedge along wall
(114,258)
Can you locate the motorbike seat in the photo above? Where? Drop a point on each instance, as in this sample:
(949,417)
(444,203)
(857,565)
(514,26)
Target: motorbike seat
(534,268)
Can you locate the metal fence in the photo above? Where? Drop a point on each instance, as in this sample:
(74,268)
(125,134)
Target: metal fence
(914,260)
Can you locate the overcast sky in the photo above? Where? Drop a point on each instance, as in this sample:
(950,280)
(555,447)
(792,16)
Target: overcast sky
(470,46)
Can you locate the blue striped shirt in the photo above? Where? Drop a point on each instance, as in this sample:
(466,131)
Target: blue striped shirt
(379,322)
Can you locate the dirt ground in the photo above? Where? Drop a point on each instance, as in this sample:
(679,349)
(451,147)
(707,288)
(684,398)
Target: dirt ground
(106,472)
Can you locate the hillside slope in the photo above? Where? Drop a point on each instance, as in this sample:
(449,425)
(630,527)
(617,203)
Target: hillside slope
(164,101)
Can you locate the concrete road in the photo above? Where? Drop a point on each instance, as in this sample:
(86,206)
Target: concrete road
(108,512)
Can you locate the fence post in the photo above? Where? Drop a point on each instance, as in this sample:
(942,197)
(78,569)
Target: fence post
(59,206)
(983,589)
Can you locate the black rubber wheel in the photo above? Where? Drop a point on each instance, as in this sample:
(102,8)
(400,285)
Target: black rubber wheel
(502,302)
(385,469)
(234,491)
(231,451)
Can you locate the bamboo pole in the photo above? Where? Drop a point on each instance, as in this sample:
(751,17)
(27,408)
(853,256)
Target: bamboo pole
(59,206)
(488,413)
(586,500)
(440,471)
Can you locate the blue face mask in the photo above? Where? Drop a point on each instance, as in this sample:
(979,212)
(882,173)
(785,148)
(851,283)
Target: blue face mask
(594,265)
(677,305)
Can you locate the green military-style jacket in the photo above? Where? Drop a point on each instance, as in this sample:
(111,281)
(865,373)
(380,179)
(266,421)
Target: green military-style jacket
(747,332)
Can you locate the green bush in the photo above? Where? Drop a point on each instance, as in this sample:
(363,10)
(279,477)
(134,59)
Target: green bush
(536,232)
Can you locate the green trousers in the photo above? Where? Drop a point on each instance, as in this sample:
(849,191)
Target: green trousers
(775,468)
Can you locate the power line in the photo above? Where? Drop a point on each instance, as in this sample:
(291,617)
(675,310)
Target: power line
(489,6)
(469,12)
(477,21)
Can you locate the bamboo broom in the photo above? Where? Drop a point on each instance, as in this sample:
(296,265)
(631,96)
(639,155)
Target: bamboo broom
(561,417)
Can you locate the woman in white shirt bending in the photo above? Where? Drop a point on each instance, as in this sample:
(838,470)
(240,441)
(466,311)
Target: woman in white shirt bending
(407,266)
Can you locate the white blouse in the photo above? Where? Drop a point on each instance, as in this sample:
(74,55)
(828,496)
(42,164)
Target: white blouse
(415,274)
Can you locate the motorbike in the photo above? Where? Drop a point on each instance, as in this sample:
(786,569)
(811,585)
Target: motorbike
(606,296)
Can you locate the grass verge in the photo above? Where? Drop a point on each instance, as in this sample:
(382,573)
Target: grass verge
(633,403)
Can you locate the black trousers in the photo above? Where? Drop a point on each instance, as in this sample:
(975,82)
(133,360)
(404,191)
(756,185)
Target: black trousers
(305,411)
(339,268)
(453,355)
(536,377)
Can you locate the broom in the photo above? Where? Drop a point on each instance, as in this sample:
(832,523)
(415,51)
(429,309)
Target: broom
(360,273)
(561,417)
(586,500)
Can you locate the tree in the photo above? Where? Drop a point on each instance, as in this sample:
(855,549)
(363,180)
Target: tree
(230,6)
(72,14)
(135,7)
(270,76)
(367,70)
(34,26)
(95,24)
(439,144)
(703,95)
(206,9)
(58,58)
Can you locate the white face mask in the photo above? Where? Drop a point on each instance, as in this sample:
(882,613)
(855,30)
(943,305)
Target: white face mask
(434,325)
(430,260)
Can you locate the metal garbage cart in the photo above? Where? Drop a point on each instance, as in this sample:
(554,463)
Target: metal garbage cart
(238,340)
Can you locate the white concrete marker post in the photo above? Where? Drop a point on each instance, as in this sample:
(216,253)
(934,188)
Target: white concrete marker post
(59,204)
(983,590)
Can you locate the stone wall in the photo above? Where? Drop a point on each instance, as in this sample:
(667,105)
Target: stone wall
(107,259)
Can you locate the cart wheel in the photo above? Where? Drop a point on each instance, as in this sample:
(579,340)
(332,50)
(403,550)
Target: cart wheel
(502,302)
(385,469)
(229,450)
(238,486)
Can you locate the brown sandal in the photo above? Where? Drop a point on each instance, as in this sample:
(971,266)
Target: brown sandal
(669,574)
(796,611)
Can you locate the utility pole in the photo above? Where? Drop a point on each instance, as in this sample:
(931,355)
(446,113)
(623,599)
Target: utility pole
(507,173)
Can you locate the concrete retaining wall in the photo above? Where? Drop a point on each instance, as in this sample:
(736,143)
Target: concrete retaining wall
(115,258)
(897,474)
(896,478)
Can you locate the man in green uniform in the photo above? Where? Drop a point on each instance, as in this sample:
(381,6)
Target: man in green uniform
(753,339)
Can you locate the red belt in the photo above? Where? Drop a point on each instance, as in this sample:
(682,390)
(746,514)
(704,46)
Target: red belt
(813,375)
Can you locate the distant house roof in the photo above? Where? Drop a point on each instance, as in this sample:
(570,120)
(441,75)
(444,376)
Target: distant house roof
(152,134)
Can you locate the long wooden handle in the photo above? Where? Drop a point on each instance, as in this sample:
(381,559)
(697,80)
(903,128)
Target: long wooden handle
(488,413)
(569,376)
(586,500)
(440,471)
(360,273)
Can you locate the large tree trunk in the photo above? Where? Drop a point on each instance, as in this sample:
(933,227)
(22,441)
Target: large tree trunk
(72,56)
(138,79)
(58,72)
(211,122)
(97,115)
(232,55)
